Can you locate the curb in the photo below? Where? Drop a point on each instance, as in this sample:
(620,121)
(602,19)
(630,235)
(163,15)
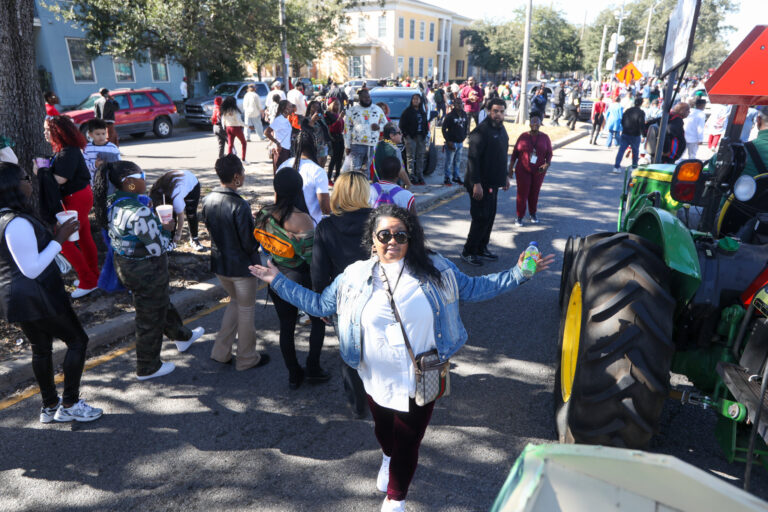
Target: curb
(16,371)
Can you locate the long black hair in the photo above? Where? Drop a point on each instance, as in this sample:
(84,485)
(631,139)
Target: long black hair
(109,173)
(417,257)
(162,190)
(289,195)
(11,196)
(304,145)
(229,104)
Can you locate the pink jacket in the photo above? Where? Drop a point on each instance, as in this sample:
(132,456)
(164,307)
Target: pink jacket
(472,106)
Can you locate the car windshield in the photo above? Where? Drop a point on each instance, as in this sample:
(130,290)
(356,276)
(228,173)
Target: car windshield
(87,103)
(396,102)
(225,90)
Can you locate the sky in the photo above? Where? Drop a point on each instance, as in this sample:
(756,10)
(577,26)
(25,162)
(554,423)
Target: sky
(751,13)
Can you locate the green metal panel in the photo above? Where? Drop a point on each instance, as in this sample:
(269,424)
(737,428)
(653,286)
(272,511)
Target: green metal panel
(665,230)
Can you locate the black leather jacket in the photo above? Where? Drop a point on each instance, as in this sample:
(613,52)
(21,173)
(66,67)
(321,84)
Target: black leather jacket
(230,223)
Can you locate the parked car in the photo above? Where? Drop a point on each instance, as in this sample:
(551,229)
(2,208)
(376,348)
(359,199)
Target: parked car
(398,99)
(141,111)
(198,110)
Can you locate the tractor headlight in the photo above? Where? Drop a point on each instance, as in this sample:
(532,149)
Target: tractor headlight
(745,187)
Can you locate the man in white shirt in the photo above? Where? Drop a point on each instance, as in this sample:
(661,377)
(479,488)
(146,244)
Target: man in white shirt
(279,132)
(277,88)
(296,96)
(183,89)
(694,128)
(252,113)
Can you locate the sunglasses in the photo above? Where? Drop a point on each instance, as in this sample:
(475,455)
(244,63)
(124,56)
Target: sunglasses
(384,236)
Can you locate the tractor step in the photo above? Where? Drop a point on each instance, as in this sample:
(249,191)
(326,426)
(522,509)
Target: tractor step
(746,390)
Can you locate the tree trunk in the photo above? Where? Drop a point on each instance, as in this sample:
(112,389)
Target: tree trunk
(190,71)
(21,101)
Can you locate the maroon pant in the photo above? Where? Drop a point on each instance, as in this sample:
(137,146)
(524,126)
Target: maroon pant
(528,186)
(85,258)
(232,132)
(400,435)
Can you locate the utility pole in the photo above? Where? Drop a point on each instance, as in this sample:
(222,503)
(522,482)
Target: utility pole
(648,28)
(522,111)
(284,45)
(618,39)
(602,54)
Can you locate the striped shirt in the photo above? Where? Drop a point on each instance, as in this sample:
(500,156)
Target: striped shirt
(109,153)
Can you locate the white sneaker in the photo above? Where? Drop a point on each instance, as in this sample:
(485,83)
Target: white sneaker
(80,411)
(196,333)
(304,318)
(165,369)
(48,413)
(82,292)
(392,505)
(382,481)
(616,170)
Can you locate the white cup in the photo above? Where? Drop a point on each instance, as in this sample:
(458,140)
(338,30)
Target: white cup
(63,217)
(165,212)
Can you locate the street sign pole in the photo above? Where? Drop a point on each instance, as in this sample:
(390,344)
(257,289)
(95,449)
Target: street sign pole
(284,45)
(522,111)
(668,92)
(602,54)
(618,38)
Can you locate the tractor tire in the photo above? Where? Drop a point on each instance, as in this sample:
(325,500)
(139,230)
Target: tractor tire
(616,343)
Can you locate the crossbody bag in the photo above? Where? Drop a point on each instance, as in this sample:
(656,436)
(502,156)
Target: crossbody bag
(433,379)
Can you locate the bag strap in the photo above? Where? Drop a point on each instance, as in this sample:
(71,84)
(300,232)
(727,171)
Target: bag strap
(390,295)
(755,156)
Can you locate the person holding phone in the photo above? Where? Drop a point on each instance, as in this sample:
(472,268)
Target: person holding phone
(32,296)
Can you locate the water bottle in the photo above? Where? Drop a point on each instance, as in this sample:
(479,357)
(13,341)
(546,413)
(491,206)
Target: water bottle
(529,259)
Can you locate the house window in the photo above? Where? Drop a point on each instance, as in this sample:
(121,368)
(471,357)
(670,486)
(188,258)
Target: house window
(401,28)
(361,27)
(410,67)
(459,68)
(355,66)
(412,29)
(400,66)
(430,66)
(461,39)
(82,65)
(421,67)
(432,33)
(159,69)
(123,70)
(383,25)
(422,25)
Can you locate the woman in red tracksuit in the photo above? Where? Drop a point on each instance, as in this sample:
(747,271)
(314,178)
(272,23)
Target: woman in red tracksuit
(529,164)
(71,173)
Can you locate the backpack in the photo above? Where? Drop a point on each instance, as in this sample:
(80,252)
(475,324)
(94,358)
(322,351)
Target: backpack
(286,250)
(439,96)
(383,196)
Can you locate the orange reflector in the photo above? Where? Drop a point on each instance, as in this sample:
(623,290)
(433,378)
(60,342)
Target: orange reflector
(689,171)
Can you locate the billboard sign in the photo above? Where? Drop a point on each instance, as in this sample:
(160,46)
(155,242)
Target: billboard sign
(680,32)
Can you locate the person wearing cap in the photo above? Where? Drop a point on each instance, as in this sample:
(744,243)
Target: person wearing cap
(104,108)
(694,127)
(277,89)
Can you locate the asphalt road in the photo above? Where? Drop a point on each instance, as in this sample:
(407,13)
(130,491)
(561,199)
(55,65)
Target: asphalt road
(209,438)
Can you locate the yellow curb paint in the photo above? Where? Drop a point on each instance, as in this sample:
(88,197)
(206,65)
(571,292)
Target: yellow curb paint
(109,356)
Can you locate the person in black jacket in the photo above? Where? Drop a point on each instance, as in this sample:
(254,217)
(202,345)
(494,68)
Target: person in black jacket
(415,127)
(338,243)
(454,128)
(674,142)
(230,223)
(558,101)
(486,173)
(632,127)
(32,296)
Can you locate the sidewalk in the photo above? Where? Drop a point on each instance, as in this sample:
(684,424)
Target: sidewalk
(14,372)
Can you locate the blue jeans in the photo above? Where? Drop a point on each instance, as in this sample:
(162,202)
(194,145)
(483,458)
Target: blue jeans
(453,159)
(632,141)
(361,157)
(613,135)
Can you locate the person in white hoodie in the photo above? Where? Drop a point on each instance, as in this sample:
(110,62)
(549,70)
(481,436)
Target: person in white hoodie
(694,128)
(252,113)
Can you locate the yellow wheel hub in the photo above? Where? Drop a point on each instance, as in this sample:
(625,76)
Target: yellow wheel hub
(571,335)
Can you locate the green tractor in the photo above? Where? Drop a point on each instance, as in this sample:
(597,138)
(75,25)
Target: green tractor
(681,286)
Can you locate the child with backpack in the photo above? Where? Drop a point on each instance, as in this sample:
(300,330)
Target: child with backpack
(386,191)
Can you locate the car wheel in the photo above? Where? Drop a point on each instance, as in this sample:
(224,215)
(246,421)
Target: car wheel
(138,135)
(163,127)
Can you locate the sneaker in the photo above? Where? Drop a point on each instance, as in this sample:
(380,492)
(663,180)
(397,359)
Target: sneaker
(458,180)
(80,411)
(165,369)
(471,259)
(616,170)
(488,255)
(196,245)
(47,414)
(519,222)
(82,292)
(330,183)
(534,219)
(182,346)
(447,182)
(382,481)
(392,505)
(304,318)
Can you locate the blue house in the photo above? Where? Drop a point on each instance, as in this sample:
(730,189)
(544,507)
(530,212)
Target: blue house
(65,68)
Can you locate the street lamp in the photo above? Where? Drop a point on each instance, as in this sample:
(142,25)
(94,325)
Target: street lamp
(618,37)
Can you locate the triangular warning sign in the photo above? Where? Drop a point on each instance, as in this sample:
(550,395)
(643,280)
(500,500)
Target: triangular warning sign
(742,78)
(629,74)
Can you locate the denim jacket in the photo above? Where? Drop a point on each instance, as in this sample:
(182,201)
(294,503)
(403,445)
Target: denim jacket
(348,294)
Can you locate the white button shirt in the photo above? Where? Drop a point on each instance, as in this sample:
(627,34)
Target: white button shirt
(386,368)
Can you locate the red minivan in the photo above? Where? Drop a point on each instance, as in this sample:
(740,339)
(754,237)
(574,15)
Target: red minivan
(140,111)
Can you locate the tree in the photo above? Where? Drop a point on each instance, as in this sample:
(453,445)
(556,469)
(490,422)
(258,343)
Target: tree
(198,34)
(496,47)
(21,101)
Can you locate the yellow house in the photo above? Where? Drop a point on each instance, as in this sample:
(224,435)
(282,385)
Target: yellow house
(399,39)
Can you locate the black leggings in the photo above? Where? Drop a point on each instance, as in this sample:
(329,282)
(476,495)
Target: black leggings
(40,333)
(337,157)
(288,313)
(191,201)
